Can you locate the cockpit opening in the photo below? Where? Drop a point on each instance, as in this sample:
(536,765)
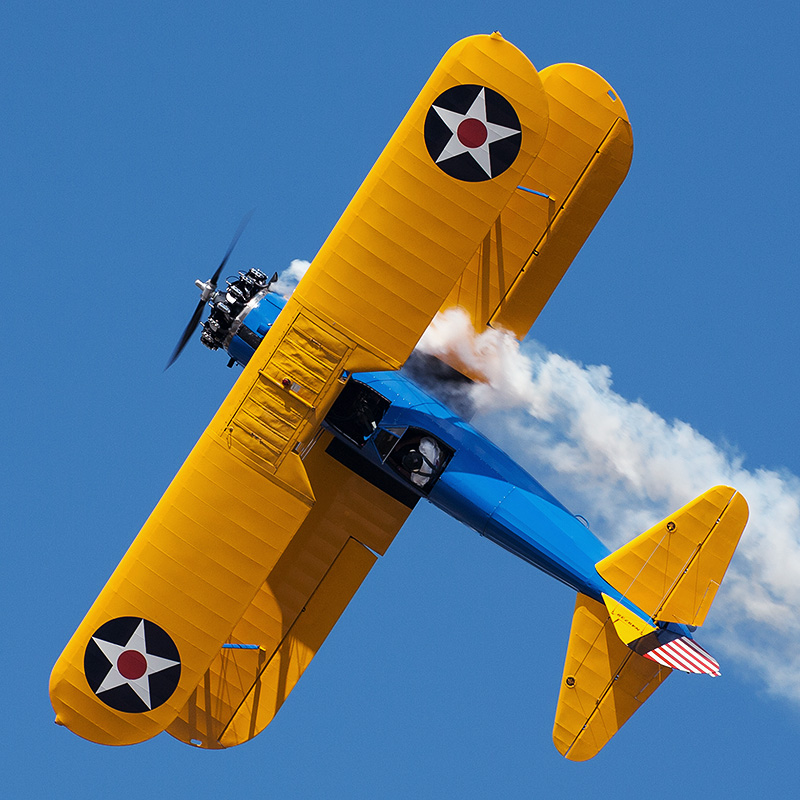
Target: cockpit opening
(357,412)
(420,458)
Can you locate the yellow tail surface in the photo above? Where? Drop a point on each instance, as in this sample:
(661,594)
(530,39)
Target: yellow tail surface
(617,659)
(673,570)
(604,682)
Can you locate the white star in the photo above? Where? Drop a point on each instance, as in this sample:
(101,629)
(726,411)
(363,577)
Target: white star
(137,663)
(474,137)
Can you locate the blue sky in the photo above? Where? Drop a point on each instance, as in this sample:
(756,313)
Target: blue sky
(133,141)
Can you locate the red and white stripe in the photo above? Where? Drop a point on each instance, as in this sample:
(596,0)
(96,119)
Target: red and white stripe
(686,655)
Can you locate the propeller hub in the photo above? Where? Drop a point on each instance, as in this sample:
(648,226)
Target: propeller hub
(206,289)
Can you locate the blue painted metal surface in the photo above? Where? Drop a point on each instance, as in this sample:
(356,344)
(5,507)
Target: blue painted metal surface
(258,321)
(481,485)
(486,490)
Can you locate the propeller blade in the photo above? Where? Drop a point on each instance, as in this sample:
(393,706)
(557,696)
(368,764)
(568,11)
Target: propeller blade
(198,312)
(239,231)
(187,334)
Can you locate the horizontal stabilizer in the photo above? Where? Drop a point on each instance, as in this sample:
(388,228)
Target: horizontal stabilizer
(604,683)
(672,571)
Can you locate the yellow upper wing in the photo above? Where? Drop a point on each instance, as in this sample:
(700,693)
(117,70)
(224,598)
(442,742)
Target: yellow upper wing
(411,228)
(231,512)
(582,163)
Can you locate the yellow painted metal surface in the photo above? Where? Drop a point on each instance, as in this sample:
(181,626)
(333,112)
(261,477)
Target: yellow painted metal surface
(348,512)
(301,643)
(582,163)
(603,684)
(673,570)
(629,626)
(220,528)
(282,409)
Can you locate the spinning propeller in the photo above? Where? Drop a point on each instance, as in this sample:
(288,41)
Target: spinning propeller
(208,290)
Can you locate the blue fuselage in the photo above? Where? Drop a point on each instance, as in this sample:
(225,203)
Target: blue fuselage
(479,484)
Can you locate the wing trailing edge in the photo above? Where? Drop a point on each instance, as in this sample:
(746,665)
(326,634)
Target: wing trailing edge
(351,524)
(583,161)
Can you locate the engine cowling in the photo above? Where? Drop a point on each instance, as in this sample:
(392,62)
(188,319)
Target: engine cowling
(241,315)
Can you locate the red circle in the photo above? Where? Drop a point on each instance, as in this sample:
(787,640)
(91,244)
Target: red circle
(472,133)
(131,664)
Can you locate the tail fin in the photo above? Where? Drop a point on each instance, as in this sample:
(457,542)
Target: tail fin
(662,644)
(615,659)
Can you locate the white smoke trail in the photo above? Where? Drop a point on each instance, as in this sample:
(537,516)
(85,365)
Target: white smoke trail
(624,467)
(290,277)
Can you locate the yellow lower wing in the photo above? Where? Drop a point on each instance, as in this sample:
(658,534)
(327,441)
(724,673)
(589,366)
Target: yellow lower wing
(604,683)
(223,524)
(296,607)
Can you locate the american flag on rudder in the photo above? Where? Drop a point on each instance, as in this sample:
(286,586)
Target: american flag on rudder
(685,654)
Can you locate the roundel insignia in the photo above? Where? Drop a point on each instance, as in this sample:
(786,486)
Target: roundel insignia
(472,132)
(132,664)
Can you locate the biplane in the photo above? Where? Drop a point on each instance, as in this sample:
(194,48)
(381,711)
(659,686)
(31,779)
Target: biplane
(337,427)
